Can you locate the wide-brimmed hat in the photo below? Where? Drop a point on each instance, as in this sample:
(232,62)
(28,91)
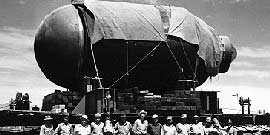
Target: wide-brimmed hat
(48,117)
(84,117)
(97,115)
(155,116)
(196,116)
(208,119)
(142,112)
(169,118)
(184,116)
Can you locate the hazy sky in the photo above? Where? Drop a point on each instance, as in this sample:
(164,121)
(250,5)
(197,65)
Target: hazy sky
(245,21)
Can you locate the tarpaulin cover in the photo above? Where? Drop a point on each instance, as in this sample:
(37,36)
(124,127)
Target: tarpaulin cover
(192,29)
(128,21)
(119,20)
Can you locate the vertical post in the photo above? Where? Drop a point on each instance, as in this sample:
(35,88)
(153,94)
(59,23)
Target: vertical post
(241,102)
(193,85)
(108,101)
(243,109)
(254,119)
(207,103)
(114,104)
(102,99)
(217,105)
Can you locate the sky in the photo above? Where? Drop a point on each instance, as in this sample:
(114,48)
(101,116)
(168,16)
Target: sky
(246,22)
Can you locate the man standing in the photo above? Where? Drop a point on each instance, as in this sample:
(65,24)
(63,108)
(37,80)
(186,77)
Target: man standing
(168,128)
(155,127)
(123,127)
(141,124)
(83,128)
(64,128)
(183,128)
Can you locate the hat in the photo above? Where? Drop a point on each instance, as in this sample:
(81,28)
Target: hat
(155,116)
(84,117)
(208,119)
(195,116)
(123,115)
(142,112)
(97,115)
(169,118)
(48,117)
(184,116)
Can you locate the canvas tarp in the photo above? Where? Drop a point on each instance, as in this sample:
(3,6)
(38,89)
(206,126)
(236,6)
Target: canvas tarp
(194,30)
(128,21)
(119,20)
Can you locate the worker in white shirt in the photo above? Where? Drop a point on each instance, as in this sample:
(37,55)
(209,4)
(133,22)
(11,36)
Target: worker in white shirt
(108,126)
(97,126)
(183,128)
(47,128)
(168,128)
(208,126)
(217,127)
(196,126)
(64,128)
(84,128)
(123,127)
(141,124)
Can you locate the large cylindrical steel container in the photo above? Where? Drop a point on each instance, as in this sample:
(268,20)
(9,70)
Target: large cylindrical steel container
(64,54)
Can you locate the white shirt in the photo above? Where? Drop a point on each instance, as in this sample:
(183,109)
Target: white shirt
(46,130)
(81,130)
(63,129)
(97,128)
(198,128)
(210,129)
(140,127)
(168,130)
(182,129)
(123,129)
(108,127)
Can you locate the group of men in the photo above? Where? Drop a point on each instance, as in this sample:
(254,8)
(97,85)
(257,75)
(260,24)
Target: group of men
(140,127)
(209,127)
